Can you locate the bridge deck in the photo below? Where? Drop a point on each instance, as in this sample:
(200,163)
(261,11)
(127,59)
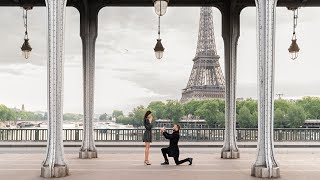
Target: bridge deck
(127,164)
(130,144)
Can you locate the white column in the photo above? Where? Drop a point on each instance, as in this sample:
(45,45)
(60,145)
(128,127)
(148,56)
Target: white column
(230,34)
(88,33)
(54,164)
(265,165)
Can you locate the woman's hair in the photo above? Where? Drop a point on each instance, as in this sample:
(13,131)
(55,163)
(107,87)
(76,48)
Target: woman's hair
(147,114)
(178,127)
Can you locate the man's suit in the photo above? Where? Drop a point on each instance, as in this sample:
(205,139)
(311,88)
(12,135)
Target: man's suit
(173,149)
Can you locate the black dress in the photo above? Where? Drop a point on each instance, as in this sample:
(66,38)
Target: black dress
(147,136)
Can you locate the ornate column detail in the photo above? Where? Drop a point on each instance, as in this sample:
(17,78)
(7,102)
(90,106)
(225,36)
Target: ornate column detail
(54,164)
(230,34)
(265,165)
(88,33)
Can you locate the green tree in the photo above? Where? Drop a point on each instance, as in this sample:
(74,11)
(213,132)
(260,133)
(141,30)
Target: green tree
(103,117)
(251,104)
(72,117)
(221,105)
(282,105)
(296,116)
(158,109)
(6,114)
(125,120)
(117,113)
(311,105)
(138,115)
(211,113)
(255,119)
(279,118)
(244,118)
(174,111)
(191,107)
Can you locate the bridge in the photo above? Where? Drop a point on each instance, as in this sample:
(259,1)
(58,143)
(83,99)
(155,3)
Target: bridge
(54,164)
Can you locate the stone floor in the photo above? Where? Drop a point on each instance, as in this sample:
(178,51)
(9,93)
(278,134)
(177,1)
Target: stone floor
(127,164)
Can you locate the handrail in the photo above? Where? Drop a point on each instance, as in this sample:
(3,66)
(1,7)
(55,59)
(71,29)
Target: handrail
(192,134)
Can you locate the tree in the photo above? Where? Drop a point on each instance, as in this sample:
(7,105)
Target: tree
(6,114)
(174,111)
(255,119)
(138,115)
(45,116)
(211,113)
(296,116)
(72,117)
(251,104)
(245,118)
(124,120)
(311,105)
(103,117)
(191,107)
(158,109)
(117,113)
(279,118)
(282,105)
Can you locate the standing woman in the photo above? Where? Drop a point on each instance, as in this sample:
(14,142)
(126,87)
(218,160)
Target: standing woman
(147,136)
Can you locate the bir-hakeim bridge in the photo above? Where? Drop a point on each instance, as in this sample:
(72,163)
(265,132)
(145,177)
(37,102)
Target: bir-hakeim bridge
(54,164)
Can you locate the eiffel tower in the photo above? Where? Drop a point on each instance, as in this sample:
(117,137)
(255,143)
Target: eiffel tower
(206,80)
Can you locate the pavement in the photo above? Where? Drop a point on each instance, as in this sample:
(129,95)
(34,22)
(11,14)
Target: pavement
(130,144)
(126,163)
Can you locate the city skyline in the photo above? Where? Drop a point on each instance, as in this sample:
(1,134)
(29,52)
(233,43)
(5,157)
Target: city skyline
(127,73)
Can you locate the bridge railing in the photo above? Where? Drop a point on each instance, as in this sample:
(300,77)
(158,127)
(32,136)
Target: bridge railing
(192,135)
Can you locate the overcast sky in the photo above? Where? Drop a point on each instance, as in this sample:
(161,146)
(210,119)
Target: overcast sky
(127,73)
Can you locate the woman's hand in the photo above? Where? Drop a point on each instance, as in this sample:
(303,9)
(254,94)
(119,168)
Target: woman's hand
(162,129)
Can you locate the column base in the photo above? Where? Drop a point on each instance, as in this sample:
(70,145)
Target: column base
(58,171)
(230,154)
(83,154)
(263,172)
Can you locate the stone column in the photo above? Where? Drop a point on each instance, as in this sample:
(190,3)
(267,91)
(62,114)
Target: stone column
(230,33)
(265,165)
(88,33)
(54,164)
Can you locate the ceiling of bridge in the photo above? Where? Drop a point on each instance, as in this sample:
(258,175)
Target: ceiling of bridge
(103,3)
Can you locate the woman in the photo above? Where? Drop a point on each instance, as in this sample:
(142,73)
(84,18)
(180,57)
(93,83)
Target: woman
(147,136)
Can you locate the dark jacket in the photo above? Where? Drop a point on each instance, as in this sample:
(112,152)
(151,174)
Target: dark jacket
(147,136)
(173,147)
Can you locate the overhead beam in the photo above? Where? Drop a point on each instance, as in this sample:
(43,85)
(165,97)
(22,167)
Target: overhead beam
(173,3)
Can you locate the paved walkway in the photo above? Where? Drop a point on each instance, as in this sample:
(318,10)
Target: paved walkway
(127,164)
(217,144)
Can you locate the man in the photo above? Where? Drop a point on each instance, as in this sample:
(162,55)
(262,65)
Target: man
(173,149)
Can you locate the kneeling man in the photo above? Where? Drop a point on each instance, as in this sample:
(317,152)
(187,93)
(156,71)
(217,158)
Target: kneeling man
(173,149)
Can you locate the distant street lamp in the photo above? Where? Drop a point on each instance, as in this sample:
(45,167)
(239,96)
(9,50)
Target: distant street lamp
(158,49)
(160,6)
(26,48)
(294,48)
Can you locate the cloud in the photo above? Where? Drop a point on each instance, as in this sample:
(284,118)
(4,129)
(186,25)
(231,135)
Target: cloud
(127,73)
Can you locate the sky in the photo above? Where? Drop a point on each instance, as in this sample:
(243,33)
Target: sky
(127,73)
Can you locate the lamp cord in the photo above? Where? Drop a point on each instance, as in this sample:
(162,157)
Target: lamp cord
(159,27)
(25,21)
(295,20)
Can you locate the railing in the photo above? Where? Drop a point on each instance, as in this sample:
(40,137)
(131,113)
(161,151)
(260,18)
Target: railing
(192,135)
